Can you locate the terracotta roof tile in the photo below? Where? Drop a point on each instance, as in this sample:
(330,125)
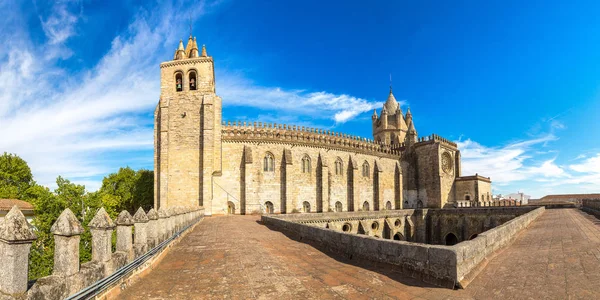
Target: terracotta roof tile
(7,204)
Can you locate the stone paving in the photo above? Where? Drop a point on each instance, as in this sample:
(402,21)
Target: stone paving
(234,257)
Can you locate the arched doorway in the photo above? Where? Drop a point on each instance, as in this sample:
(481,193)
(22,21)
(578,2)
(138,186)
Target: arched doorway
(338,206)
(230,208)
(451,239)
(398,237)
(306,207)
(366,206)
(269,207)
(388,205)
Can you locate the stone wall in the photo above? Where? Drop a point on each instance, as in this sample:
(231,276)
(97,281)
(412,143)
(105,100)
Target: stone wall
(293,187)
(68,275)
(591,206)
(447,266)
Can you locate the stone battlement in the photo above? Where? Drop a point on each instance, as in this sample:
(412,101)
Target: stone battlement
(68,275)
(434,138)
(292,134)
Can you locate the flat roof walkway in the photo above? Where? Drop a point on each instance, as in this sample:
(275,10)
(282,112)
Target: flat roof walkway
(235,257)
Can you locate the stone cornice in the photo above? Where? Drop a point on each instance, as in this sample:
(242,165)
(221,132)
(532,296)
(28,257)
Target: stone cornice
(186,61)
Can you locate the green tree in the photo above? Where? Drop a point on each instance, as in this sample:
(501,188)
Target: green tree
(15,176)
(127,190)
(47,208)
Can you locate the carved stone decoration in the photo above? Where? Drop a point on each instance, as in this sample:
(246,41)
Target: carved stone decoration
(447,164)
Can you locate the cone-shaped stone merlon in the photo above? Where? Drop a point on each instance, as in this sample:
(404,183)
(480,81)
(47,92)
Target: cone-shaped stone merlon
(15,229)
(67,224)
(391,105)
(140,216)
(101,220)
(152,214)
(124,218)
(204,51)
(374,114)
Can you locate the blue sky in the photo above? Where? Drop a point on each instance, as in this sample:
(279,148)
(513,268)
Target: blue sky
(515,84)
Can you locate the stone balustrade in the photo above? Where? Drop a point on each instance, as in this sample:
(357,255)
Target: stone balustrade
(68,275)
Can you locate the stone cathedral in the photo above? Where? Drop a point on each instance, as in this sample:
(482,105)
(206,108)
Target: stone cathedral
(238,167)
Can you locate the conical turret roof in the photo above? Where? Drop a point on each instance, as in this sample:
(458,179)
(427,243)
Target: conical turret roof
(189,46)
(391,105)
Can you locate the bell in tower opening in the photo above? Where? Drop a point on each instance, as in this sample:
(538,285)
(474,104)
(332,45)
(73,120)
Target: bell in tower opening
(192,81)
(178,82)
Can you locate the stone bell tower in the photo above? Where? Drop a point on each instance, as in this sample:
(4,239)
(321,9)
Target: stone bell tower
(187,130)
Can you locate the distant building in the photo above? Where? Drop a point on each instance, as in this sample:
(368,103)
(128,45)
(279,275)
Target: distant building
(519,197)
(25,207)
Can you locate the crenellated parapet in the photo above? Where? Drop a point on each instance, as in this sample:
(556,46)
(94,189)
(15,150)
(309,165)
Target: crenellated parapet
(306,136)
(69,276)
(434,138)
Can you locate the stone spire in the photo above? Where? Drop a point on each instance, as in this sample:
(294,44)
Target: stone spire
(180,52)
(204,51)
(391,105)
(374,114)
(188,47)
(194,50)
(408,116)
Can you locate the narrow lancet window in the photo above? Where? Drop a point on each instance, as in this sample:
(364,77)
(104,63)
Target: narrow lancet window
(179,82)
(268,163)
(193,81)
(306,164)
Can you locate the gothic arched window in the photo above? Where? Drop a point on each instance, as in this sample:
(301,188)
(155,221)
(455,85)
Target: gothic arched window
(339,169)
(268,163)
(179,82)
(192,81)
(305,164)
(365,169)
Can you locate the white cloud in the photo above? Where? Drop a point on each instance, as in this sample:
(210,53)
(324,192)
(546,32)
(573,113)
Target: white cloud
(84,124)
(238,91)
(508,163)
(60,24)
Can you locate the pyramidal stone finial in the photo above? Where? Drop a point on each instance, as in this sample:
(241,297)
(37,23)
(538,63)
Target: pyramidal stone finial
(101,220)
(67,224)
(204,54)
(124,218)
(152,214)
(14,228)
(140,216)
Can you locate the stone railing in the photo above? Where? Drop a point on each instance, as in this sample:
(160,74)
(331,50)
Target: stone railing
(499,203)
(68,275)
(281,133)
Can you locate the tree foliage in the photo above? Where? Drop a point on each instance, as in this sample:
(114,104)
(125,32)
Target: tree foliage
(15,176)
(125,190)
